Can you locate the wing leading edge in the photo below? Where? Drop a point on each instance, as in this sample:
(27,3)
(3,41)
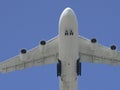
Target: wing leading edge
(96,53)
(40,55)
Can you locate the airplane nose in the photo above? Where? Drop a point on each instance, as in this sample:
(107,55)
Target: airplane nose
(68,21)
(68,11)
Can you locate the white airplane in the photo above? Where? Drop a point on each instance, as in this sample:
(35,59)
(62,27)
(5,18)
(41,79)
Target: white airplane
(68,50)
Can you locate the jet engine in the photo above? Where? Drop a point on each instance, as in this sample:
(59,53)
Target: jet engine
(23,56)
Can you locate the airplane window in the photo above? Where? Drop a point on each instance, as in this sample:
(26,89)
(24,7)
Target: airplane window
(71,32)
(66,32)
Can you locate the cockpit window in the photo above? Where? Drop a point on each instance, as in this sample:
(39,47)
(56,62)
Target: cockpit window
(66,32)
(71,32)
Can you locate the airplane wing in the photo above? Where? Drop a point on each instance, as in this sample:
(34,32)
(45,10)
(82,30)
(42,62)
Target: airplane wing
(96,53)
(40,55)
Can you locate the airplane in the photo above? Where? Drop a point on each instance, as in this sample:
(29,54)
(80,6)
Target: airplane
(67,50)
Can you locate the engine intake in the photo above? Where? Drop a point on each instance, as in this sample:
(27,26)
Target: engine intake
(43,42)
(93,40)
(23,51)
(113,47)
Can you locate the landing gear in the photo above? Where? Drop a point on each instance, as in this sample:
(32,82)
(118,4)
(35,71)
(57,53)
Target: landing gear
(78,68)
(59,68)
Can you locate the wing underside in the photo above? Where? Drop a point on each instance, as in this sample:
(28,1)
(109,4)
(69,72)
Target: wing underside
(96,53)
(40,55)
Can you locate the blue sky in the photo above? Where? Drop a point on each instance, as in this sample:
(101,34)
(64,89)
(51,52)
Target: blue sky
(23,23)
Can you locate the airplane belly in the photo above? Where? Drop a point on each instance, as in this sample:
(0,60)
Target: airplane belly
(68,80)
(68,55)
(68,49)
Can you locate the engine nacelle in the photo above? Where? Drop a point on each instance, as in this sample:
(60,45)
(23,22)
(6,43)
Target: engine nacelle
(23,56)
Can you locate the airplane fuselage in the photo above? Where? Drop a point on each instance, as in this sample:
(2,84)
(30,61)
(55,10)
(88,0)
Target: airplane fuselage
(68,50)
